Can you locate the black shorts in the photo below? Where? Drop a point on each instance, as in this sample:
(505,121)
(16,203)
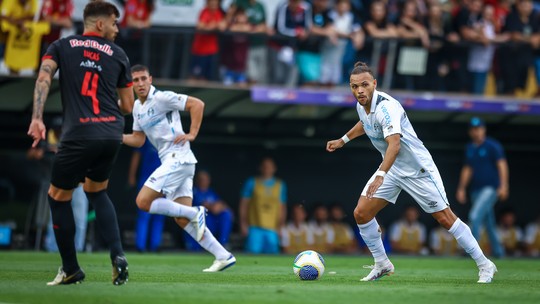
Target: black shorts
(77,159)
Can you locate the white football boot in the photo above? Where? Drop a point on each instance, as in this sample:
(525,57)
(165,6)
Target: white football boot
(378,271)
(220,265)
(486,273)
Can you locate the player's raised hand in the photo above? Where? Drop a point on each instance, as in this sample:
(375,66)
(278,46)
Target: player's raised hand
(36,131)
(182,139)
(335,144)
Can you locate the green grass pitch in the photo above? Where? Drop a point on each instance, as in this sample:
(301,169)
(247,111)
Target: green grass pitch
(178,278)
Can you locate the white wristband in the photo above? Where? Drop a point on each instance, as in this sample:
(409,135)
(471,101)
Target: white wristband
(380,173)
(345,138)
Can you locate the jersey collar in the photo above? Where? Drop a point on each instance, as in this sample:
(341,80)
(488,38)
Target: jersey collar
(151,92)
(93,34)
(374,101)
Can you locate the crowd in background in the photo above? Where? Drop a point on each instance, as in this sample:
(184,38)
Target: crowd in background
(474,46)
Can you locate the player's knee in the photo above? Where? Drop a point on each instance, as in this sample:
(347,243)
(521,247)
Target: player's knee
(361,216)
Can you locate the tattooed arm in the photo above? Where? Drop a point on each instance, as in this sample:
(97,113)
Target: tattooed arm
(41,91)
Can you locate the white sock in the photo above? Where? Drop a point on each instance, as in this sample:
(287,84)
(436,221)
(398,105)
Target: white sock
(466,240)
(209,243)
(167,207)
(371,234)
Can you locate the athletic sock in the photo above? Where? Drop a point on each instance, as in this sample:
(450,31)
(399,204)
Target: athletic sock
(371,233)
(209,243)
(466,240)
(64,232)
(169,208)
(106,221)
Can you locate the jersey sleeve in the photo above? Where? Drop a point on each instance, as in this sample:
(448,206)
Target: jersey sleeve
(498,150)
(389,117)
(172,101)
(52,52)
(124,79)
(247,190)
(283,194)
(136,125)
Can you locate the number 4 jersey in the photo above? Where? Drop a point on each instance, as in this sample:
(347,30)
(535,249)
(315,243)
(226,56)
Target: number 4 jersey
(91,69)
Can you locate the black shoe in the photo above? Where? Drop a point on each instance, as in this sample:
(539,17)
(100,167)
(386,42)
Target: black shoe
(64,279)
(120,272)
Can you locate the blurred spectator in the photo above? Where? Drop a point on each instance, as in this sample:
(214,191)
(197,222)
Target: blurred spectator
(524,28)
(510,234)
(137,18)
(532,238)
(257,58)
(24,36)
(58,14)
(323,234)
(344,241)
(347,28)
(441,35)
(443,243)
(149,228)
(309,57)
(296,235)
(409,24)
(263,209)
(408,235)
(486,174)
(220,217)
(378,26)
(235,48)
(292,23)
(481,56)
(205,45)
(411,29)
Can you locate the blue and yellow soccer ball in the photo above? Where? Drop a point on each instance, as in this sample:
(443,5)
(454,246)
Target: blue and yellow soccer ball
(308,265)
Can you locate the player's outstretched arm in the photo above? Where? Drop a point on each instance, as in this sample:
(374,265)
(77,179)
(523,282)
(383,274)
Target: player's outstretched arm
(136,139)
(126,100)
(357,130)
(195,107)
(41,91)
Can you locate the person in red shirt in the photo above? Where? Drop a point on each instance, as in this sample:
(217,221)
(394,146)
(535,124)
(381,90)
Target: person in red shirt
(137,18)
(58,14)
(205,42)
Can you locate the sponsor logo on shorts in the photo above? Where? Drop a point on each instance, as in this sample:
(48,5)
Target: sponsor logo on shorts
(432,204)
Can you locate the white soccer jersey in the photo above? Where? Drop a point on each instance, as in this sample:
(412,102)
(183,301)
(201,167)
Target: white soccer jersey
(159,118)
(388,117)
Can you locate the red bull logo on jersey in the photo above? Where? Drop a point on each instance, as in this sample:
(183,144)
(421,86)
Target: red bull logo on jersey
(105,48)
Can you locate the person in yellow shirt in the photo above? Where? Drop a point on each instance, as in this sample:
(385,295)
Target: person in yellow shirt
(263,209)
(296,235)
(323,233)
(408,235)
(510,235)
(443,243)
(344,239)
(532,238)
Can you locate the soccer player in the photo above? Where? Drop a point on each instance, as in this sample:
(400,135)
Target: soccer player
(91,68)
(406,165)
(169,190)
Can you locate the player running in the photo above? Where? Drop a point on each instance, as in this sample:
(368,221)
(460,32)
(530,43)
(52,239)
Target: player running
(407,165)
(169,190)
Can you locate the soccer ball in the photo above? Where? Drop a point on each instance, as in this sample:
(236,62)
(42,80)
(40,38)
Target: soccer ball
(308,265)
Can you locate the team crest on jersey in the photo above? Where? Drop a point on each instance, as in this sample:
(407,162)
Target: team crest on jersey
(91,64)
(150,112)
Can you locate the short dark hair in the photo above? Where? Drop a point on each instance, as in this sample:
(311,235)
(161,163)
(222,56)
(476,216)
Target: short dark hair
(361,67)
(140,68)
(100,8)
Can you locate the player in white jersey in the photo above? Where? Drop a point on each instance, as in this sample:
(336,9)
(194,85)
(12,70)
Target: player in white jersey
(168,191)
(406,165)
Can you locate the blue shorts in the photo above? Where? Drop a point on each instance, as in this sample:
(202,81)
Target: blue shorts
(262,240)
(202,66)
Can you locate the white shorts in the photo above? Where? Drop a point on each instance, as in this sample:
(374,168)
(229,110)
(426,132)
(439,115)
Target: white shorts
(173,179)
(428,191)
